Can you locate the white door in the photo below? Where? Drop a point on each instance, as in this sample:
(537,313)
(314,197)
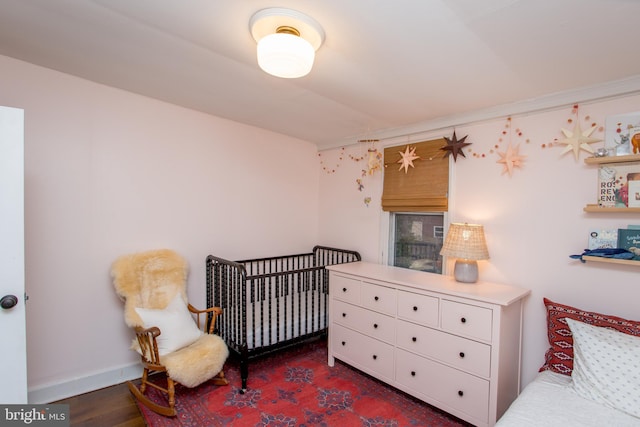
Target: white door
(13,340)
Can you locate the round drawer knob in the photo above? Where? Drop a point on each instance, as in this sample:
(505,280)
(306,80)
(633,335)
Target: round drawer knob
(375,357)
(413,373)
(463,320)
(344,343)
(462,354)
(344,314)
(376,298)
(415,308)
(375,326)
(344,289)
(460,393)
(414,339)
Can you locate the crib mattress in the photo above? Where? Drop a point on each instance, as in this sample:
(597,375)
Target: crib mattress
(293,319)
(550,401)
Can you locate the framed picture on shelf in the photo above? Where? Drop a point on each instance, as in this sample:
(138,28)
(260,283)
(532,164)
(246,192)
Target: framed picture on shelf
(614,182)
(618,132)
(634,140)
(633,182)
(628,239)
(603,238)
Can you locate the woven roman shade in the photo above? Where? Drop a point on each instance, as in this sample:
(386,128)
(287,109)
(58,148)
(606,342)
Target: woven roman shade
(425,187)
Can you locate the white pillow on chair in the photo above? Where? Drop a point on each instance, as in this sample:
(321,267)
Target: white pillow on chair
(606,366)
(177,326)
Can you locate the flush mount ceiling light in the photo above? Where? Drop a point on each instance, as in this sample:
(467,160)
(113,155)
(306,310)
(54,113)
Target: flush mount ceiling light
(287,41)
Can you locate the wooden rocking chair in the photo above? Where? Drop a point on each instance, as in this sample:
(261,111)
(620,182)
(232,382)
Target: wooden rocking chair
(153,287)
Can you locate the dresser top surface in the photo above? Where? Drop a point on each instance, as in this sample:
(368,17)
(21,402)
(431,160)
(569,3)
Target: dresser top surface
(481,291)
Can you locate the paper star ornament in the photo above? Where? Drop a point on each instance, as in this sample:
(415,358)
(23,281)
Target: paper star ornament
(454,146)
(577,140)
(511,159)
(407,159)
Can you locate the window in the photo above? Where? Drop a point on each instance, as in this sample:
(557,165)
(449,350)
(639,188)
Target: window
(417,202)
(438,232)
(417,240)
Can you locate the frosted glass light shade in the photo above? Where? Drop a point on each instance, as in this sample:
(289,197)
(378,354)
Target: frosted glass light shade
(285,55)
(287,41)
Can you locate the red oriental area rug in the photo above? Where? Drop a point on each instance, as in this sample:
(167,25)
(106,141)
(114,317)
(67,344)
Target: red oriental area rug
(296,387)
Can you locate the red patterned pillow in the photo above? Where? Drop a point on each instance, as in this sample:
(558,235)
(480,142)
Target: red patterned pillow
(559,357)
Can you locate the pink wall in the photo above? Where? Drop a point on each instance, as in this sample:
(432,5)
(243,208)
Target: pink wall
(109,173)
(533,220)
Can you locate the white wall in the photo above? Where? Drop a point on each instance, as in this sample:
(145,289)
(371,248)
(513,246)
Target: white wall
(110,173)
(533,220)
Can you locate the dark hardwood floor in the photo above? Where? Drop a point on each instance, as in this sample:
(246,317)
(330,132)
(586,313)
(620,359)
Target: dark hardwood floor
(111,406)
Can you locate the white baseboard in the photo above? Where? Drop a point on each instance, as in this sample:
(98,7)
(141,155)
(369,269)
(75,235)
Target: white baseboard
(54,392)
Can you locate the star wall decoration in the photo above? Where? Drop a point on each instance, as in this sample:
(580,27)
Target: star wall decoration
(511,159)
(407,159)
(577,140)
(454,146)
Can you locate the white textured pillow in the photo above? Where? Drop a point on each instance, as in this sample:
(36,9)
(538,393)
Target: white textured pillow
(606,366)
(178,329)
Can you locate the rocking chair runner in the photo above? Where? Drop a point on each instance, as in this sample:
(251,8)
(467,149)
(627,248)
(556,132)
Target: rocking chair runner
(153,287)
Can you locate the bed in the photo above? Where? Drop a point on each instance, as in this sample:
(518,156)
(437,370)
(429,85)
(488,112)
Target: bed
(271,303)
(591,374)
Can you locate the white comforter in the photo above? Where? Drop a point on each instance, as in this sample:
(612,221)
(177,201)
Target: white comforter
(550,401)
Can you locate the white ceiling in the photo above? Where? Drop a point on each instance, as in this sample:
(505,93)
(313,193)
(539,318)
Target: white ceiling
(384,65)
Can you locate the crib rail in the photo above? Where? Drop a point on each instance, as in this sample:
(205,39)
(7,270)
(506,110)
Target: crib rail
(269,300)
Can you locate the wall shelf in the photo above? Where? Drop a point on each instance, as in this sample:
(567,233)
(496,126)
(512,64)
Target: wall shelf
(635,263)
(596,208)
(612,159)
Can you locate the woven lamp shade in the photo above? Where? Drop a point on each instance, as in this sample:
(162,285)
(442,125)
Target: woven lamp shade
(465,241)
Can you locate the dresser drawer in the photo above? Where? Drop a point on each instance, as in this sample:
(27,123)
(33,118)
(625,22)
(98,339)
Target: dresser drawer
(418,308)
(344,289)
(362,320)
(470,356)
(362,351)
(467,319)
(378,298)
(454,388)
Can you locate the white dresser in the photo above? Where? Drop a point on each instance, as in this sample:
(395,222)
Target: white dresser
(453,345)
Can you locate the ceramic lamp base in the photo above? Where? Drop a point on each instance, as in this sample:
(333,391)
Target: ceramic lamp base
(466,271)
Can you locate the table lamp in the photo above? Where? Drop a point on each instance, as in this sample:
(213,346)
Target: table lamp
(466,243)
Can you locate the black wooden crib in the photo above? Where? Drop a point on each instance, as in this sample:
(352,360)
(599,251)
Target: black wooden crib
(271,303)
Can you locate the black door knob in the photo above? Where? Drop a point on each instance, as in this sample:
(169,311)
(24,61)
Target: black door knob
(8,301)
